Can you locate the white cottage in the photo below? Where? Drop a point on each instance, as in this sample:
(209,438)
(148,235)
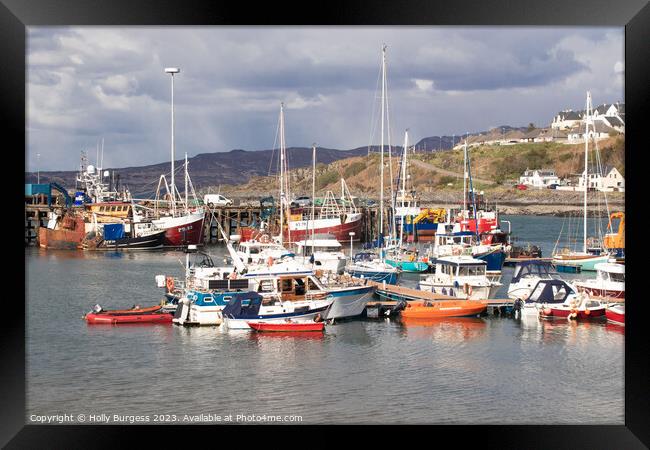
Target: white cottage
(539,178)
(609,180)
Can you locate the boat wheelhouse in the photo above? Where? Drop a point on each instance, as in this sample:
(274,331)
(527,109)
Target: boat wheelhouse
(460,276)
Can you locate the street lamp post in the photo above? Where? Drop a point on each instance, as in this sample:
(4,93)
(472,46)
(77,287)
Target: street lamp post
(351,233)
(172,71)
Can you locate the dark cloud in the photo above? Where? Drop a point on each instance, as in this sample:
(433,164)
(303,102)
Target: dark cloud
(85,83)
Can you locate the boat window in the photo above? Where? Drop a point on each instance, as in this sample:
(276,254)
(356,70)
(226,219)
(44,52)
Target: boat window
(254,250)
(312,285)
(265,286)
(286,285)
(245,303)
(592,304)
(617,277)
(102,208)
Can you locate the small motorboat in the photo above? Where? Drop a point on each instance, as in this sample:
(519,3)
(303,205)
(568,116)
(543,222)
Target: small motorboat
(153,314)
(441,308)
(287,326)
(615,313)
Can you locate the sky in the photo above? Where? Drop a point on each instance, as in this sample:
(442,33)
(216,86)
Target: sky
(85,84)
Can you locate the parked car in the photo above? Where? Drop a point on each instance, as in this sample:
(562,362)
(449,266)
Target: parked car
(301,202)
(521,187)
(553,186)
(216,200)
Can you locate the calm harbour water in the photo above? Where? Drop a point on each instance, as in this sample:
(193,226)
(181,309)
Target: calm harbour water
(472,371)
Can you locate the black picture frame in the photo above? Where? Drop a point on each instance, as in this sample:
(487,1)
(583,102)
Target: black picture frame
(634,15)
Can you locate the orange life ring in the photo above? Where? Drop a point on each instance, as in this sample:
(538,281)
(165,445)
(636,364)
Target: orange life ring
(233,275)
(269,261)
(587,312)
(170,284)
(467,289)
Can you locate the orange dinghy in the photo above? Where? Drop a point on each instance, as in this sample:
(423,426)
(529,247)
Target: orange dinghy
(443,308)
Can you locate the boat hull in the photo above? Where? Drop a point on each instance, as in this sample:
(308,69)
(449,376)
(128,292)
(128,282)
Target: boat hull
(379,276)
(494,259)
(68,238)
(409,266)
(116,319)
(150,242)
(582,314)
(182,231)
(586,263)
(340,231)
(349,302)
(287,326)
(443,308)
(242,323)
(615,317)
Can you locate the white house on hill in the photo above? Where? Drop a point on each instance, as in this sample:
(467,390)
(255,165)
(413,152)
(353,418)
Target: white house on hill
(539,178)
(607,180)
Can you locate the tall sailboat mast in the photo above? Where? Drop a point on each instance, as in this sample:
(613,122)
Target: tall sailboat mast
(383,100)
(587,120)
(282,174)
(465,174)
(406,143)
(313,195)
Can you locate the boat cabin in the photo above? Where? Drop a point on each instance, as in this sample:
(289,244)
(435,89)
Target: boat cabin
(251,251)
(610,272)
(109,211)
(525,269)
(461,266)
(550,291)
(290,287)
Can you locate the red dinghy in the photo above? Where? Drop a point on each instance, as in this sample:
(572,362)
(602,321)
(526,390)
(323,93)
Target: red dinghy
(114,319)
(287,326)
(152,314)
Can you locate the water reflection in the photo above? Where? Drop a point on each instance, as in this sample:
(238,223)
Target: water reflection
(450,329)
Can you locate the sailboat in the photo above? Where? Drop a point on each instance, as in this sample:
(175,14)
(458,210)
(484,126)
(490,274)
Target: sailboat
(367,264)
(406,260)
(585,260)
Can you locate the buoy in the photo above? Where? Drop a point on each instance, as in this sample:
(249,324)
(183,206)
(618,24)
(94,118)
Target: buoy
(587,312)
(170,284)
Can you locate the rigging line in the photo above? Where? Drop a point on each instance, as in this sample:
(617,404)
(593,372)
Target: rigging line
(275,141)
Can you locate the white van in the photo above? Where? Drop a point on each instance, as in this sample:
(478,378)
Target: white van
(216,200)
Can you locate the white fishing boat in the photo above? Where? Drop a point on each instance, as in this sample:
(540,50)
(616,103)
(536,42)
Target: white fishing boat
(460,276)
(609,283)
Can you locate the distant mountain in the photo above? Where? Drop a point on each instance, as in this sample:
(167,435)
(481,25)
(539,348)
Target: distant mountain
(207,169)
(237,166)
